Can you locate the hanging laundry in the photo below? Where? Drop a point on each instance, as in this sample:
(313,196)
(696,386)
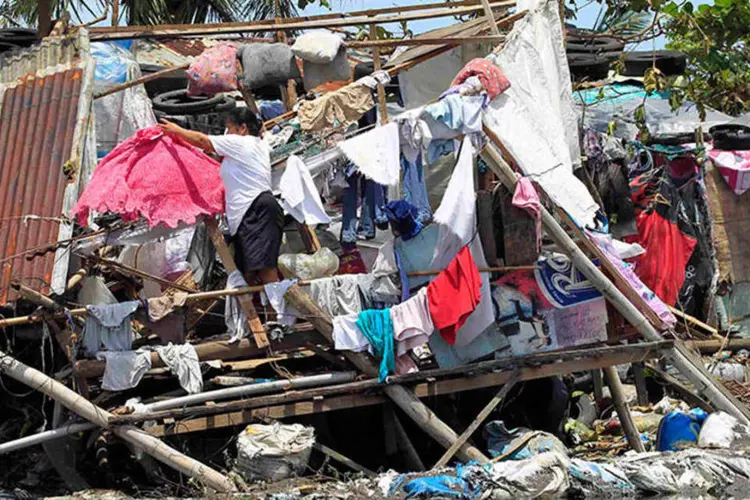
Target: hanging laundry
(124,370)
(415,189)
(333,109)
(526,198)
(156,176)
(454,115)
(299,194)
(214,71)
(371,215)
(412,323)
(376,154)
(159,307)
(182,360)
(377,327)
(234,316)
(492,78)
(340,295)
(604,242)
(109,325)
(286,314)
(403,218)
(454,294)
(346,334)
(457,210)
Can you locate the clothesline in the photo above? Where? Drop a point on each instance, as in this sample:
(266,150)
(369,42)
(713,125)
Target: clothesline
(216,294)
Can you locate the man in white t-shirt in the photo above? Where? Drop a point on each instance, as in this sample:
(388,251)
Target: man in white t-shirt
(255,218)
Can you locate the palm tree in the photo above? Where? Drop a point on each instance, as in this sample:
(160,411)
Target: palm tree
(153,12)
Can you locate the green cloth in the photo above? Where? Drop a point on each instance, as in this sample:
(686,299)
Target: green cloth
(377,328)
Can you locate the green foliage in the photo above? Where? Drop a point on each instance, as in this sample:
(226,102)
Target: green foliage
(716,40)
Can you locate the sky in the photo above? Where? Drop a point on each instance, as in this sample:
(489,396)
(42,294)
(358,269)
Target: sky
(586,16)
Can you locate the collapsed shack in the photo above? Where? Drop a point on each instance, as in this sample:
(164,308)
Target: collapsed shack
(128,336)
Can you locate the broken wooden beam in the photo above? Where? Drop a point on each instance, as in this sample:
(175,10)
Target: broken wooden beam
(246,302)
(343,459)
(623,412)
(138,438)
(713,346)
(479,420)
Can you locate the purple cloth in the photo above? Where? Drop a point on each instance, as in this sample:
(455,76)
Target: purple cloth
(626,271)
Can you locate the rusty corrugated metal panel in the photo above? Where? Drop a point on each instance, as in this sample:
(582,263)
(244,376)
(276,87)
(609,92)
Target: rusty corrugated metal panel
(45,101)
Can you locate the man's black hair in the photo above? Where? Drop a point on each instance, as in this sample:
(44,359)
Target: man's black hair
(243,116)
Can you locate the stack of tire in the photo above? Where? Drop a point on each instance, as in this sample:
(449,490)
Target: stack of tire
(16,38)
(590,57)
(170,100)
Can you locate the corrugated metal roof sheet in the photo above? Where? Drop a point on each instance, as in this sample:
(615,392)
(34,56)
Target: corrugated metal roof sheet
(45,103)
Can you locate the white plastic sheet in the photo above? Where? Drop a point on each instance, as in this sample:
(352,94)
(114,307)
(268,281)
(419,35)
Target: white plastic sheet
(535,118)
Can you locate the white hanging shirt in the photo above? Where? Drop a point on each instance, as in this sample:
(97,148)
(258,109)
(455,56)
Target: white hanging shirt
(376,154)
(245,171)
(300,197)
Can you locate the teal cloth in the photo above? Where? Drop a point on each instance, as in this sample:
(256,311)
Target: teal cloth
(377,328)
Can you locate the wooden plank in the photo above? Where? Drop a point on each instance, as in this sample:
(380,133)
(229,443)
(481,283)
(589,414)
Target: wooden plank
(377,67)
(479,420)
(411,42)
(246,301)
(490,17)
(422,390)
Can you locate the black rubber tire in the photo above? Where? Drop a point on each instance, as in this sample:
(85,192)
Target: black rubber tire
(175,81)
(227,104)
(21,37)
(588,67)
(7,46)
(669,62)
(177,102)
(580,44)
(731,137)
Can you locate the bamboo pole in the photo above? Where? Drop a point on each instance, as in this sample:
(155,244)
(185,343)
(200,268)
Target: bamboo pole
(406,400)
(144,79)
(490,17)
(417,42)
(231,292)
(139,439)
(169,30)
(623,412)
(343,459)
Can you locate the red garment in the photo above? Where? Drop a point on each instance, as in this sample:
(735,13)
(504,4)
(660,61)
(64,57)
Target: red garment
(157,176)
(662,267)
(454,294)
(493,80)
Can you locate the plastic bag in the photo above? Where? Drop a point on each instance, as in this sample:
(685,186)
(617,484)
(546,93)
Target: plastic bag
(317,46)
(321,264)
(679,429)
(214,71)
(718,431)
(274,452)
(267,64)
(520,443)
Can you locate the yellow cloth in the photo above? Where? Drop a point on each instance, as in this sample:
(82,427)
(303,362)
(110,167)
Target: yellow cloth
(345,105)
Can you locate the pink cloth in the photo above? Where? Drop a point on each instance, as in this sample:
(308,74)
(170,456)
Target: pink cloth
(214,71)
(157,176)
(734,166)
(493,80)
(527,198)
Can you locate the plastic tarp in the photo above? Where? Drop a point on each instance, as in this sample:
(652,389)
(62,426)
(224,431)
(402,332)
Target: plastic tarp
(120,115)
(536,118)
(618,102)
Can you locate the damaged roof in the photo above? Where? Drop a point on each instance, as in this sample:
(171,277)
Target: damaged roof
(45,103)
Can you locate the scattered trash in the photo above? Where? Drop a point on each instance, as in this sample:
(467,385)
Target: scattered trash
(679,429)
(519,443)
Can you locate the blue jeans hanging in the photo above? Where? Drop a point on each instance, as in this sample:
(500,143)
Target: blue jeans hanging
(371,214)
(415,190)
